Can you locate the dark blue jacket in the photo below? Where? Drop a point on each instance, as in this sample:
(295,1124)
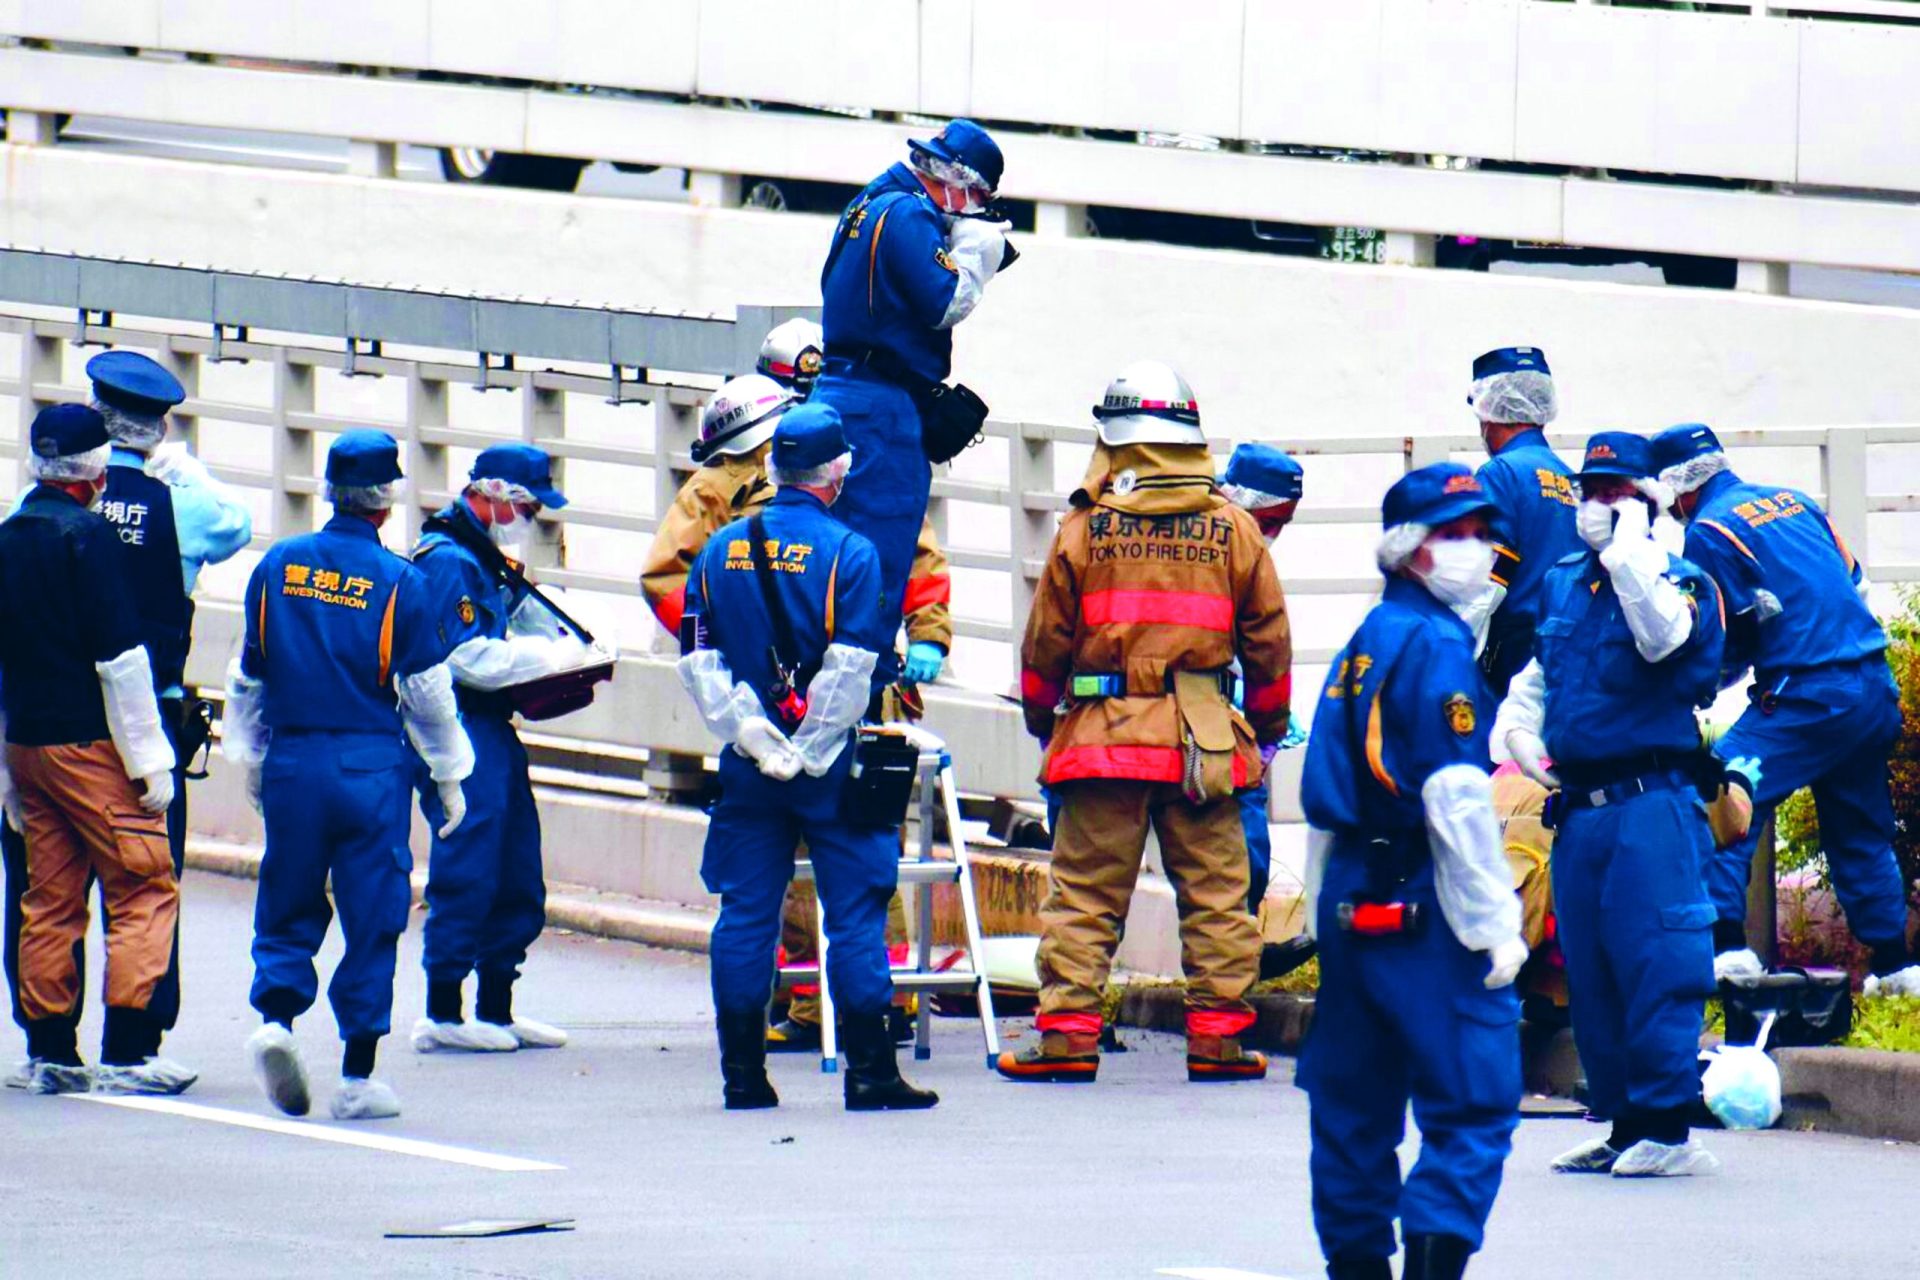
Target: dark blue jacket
(888,280)
(1532,490)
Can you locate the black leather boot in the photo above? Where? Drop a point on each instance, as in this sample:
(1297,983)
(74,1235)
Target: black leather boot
(873,1077)
(1436,1258)
(743,1060)
(1360,1269)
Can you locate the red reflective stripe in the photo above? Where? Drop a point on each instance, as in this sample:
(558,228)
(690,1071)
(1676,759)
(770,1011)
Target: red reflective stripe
(1178,608)
(671,608)
(1141,764)
(1266,698)
(1039,691)
(1071,1023)
(1218,1022)
(779,370)
(935,588)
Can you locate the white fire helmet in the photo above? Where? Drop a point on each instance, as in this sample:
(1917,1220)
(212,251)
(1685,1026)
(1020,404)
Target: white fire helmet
(793,354)
(1148,404)
(741,416)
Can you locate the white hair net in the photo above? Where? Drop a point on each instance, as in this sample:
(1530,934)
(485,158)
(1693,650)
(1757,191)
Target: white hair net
(500,490)
(1524,395)
(1398,544)
(1685,477)
(90,465)
(828,473)
(364,497)
(951,172)
(137,431)
(1252,499)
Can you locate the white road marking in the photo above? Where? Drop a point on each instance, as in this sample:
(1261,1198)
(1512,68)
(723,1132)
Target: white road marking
(1217,1273)
(323,1133)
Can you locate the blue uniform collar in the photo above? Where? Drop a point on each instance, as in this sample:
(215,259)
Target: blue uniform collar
(121,456)
(1531,437)
(1409,594)
(797,498)
(900,177)
(459,512)
(1715,486)
(352,526)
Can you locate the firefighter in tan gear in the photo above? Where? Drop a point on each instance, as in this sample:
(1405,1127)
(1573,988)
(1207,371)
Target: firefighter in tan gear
(1154,586)
(736,431)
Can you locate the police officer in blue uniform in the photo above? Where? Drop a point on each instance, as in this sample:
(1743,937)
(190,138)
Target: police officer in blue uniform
(1267,484)
(1411,901)
(344,661)
(486,890)
(1824,709)
(783,629)
(1630,642)
(1513,396)
(910,259)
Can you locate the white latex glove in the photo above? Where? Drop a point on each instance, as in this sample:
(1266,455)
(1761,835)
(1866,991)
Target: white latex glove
(781,765)
(1506,960)
(253,789)
(1530,753)
(1594,521)
(159,791)
(759,739)
(1631,521)
(454,801)
(10,803)
(171,464)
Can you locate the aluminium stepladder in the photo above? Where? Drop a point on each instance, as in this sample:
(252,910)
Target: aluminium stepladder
(937,793)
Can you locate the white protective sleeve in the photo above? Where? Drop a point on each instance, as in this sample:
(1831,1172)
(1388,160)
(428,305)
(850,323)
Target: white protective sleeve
(133,713)
(1319,849)
(1470,871)
(725,703)
(1525,707)
(1655,608)
(243,730)
(836,699)
(484,664)
(433,724)
(975,249)
(1478,613)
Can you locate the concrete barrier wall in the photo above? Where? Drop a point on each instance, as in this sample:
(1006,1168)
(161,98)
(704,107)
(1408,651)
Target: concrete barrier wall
(1274,346)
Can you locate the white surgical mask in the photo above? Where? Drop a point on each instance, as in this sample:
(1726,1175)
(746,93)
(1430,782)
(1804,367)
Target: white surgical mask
(1462,569)
(511,539)
(1594,520)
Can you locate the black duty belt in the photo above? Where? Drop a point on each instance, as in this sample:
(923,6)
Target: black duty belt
(1583,797)
(1088,686)
(883,362)
(1596,775)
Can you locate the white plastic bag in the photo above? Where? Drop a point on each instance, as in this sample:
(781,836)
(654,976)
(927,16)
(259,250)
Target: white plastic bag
(1742,1086)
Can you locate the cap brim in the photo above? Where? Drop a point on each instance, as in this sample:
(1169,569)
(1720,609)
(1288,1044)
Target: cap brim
(932,146)
(1611,469)
(1451,509)
(551,499)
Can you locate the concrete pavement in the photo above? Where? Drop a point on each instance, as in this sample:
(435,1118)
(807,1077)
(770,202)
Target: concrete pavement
(1139,1175)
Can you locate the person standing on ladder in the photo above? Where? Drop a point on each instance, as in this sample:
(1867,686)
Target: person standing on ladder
(782,633)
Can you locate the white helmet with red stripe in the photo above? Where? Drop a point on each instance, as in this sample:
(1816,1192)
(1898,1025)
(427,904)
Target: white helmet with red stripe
(793,353)
(741,416)
(1148,404)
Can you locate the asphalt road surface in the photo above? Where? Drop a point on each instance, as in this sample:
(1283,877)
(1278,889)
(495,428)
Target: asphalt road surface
(1137,1176)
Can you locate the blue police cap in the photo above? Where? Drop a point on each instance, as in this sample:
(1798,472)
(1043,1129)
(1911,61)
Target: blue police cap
(1510,360)
(1264,469)
(964,142)
(63,430)
(522,464)
(1618,453)
(809,435)
(1433,495)
(362,458)
(133,382)
(1678,444)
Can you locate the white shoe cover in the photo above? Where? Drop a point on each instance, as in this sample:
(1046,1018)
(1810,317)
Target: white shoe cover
(537,1035)
(58,1077)
(276,1062)
(1596,1156)
(1901,982)
(462,1037)
(1737,964)
(364,1100)
(1649,1159)
(160,1076)
(21,1076)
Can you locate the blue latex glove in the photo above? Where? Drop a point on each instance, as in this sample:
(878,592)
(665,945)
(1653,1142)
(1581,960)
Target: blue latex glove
(1296,734)
(924,660)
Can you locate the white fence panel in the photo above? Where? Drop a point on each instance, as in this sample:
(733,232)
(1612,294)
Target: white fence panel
(1447,76)
(376,33)
(946,57)
(1309,80)
(828,52)
(1859,113)
(631,46)
(135,22)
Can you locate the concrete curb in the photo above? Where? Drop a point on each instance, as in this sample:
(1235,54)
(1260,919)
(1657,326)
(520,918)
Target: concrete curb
(1869,1093)
(601,915)
(1281,1025)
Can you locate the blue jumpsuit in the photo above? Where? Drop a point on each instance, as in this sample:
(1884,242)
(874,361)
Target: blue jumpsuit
(885,289)
(831,594)
(1826,710)
(1627,886)
(1531,488)
(1406,1016)
(333,620)
(486,892)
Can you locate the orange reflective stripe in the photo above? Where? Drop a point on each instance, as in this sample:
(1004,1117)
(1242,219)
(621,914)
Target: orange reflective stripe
(833,578)
(1841,543)
(1375,760)
(1199,609)
(386,636)
(1728,534)
(262,627)
(873,256)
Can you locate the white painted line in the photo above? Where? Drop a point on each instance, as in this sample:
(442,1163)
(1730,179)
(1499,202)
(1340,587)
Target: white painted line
(322,1133)
(1217,1273)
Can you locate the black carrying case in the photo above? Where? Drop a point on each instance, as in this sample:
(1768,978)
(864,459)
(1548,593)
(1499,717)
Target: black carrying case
(1811,1007)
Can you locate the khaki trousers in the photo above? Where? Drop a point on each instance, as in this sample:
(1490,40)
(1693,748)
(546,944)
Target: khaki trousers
(1096,860)
(83,816)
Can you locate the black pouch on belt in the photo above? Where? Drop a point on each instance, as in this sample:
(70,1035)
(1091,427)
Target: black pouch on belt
(950,420)
(880,783)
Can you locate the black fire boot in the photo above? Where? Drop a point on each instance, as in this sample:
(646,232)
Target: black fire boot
(1360,1269)
(1436,1258)
(743,1060)
(873,1081)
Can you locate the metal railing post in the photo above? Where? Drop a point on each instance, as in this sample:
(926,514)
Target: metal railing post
(1844,463)
(543,417)
(291,448)
(184,365)
(1030,532)
(39,365)
(426,461)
